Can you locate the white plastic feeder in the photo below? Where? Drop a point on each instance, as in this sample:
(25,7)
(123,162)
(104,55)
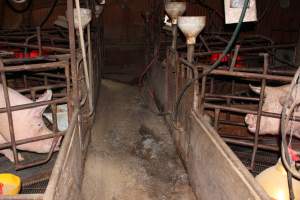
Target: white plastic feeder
(175,9)
(86,17)
(191,27)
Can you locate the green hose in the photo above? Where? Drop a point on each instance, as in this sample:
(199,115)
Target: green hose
(215,65)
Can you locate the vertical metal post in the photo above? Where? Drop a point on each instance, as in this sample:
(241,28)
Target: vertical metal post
(38,31)
(190,53)
(174,33)
(90,60)
(54,117)
(72,46)
(167,81)
(25,81)
(202,95)
(259,112)
(67,74)
(216,121)
(211,89)
(190,58)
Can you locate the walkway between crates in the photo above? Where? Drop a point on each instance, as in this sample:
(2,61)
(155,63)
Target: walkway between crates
(131,155)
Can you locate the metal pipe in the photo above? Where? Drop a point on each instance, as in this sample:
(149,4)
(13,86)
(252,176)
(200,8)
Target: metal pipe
(40,58)
(40,88)
(231,97)
(49,75)
(31,164)
(35,104)
(190,53)
(91,73)
(56,49)
(240,74)
(248,49)
(32,139)
(250,144)
(259,112)
(246,111)
(174,34)
(216,120)
(84,57)
(72,49)
(38,32)
(40,66)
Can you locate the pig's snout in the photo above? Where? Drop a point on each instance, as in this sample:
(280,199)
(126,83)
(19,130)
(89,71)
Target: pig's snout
(251,122)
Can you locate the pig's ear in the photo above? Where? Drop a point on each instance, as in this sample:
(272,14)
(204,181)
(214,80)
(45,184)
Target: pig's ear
(45,97)
(38,111)
(255,89)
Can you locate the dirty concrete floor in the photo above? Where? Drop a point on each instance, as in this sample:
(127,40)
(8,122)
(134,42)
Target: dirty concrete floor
(131,155)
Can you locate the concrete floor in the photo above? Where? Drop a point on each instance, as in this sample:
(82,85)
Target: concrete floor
(131,155)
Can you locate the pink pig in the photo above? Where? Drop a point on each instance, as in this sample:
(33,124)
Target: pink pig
(27,123)
(273,101)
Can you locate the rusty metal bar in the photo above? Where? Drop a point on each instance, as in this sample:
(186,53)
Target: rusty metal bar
(41,79)
(32,139)
(248,49)
(233,62)
(27,165)
(174,34)
(54,117)
(67,76)
(38,33)
(250,144)
(246,111)
(251,75)
(40,66)
(49,75)
(202,94)
(216,120)
(240,74)
(35,104)
(167,81)
(231,97)
(40,88)
(260,105)
(232,123)
(72,50)
(260,70)
(8,61)
(14,44)
(25,81)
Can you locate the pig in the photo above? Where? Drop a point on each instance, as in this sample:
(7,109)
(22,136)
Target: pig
(27,123)
(274,98)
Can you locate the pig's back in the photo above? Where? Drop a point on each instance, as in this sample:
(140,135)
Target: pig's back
(15,98)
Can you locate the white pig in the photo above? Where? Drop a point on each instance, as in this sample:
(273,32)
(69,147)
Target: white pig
(274,98)
(27,123)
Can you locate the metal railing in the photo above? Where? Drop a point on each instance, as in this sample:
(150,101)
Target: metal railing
(202,95)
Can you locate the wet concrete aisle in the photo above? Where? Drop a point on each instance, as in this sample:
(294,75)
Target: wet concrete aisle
(131,155)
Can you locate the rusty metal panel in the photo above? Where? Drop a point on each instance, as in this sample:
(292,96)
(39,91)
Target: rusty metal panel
(215,172)
(66,177)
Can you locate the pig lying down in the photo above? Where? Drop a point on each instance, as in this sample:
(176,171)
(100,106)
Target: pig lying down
(273,101)
(27,123)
